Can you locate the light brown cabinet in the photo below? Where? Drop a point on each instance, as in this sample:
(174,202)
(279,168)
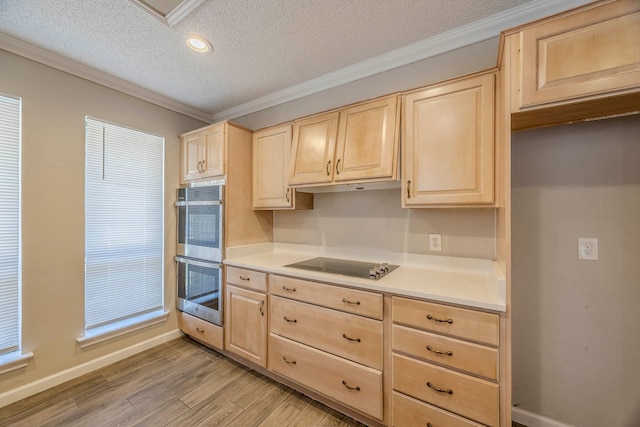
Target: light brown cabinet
(271,153)
(431,369)
(200,330)
(246,315)
(448,143)
(203,153)
(355,144)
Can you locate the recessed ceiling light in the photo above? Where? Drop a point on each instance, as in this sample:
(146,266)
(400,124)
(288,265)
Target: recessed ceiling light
(199,44)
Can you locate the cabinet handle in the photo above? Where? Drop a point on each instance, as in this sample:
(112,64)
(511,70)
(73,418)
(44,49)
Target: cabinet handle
(350,339)
(292,362)
(430,317)
(328,163)
(200,330)
(429,425)
(287,195)
(245,278)
(446,353)
(346,301)
(261,306)
(288,289)
(337,165)
(344,383)
(204,166)
(290,320)
(408,189)
(439,390)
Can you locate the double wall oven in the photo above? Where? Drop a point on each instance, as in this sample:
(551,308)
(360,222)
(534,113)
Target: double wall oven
(200,243)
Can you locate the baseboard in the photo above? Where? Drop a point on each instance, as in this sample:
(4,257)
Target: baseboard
(530,419)
(30,389)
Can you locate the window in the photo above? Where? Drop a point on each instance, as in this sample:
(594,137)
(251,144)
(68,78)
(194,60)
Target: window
(124,230)
(10,268)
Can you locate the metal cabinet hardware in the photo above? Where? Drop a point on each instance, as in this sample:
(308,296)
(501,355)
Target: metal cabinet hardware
(439,390)
(290,320)
(292,362)
(430,317)
(246,279)
(356,388)
(337,166)
(328,164)
(446,353)
(200,330)
(350,339)
(288,289)
(346,301)
(408,189)
(261,307)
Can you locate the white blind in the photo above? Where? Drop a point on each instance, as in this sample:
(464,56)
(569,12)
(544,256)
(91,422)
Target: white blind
(124,223)
(9,224)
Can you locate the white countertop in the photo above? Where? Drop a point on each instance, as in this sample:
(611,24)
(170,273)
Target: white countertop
(464,281)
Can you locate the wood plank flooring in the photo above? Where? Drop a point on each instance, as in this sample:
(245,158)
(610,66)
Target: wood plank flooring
(180,383)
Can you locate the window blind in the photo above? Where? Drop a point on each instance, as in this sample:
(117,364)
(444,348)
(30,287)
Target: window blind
(124,223)
(10,126)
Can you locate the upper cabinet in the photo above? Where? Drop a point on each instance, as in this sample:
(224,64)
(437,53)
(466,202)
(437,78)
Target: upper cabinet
(271,152)
(579,60)
(355,144)
(448,143)
(203,153)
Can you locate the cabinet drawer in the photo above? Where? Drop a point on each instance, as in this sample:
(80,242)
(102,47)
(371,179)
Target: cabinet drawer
(202,331)
(459,393)
(353,337)
(344,299)
(255,280)
(451,352)
(409,412)
(344,381)
(458,322)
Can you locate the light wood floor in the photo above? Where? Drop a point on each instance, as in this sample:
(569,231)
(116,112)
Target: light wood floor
(180,383)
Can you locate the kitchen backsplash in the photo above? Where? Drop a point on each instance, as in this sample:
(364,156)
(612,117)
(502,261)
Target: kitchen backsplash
(374,220)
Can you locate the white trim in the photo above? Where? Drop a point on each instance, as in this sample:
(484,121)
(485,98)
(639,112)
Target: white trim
(466,35)
(179,12)
(14,361)
(70,66)
(530,419)
(32,388)
(114,330)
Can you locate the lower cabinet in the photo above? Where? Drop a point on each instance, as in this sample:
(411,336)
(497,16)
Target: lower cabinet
(200,330)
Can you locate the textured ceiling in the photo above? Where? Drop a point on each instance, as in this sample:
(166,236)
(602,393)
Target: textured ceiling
(260,46)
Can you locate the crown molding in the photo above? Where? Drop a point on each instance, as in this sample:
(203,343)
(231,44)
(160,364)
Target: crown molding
(466,35)
(174,16)
(70,66)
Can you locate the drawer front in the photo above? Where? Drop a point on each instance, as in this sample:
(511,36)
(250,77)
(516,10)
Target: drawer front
(409,412)
(205,332)
(343,381)
(459,322)
(250,279)
(474,358)
(459,393)
(353,337)
(344,299)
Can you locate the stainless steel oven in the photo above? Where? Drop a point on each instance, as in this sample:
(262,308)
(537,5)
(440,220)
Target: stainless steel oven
(200,222)
(200,289)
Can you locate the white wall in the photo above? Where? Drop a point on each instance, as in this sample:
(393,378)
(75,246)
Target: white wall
(576,344)
(54,105)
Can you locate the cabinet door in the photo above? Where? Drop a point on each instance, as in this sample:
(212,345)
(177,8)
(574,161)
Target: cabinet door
(448,149)
(213,151)
(191,156)
(271,151)
(368,141)
(592,52)
(246,324)
(314,141)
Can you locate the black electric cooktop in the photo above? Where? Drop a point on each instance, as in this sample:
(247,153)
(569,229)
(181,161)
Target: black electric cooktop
(367,270)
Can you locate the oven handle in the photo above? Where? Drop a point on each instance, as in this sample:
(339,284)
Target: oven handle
(198,263)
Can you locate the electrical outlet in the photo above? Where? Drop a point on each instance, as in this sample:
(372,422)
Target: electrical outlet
(588,248)
(435,242)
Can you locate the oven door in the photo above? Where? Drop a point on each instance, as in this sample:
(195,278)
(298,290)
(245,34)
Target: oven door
(200,289)
(200,230)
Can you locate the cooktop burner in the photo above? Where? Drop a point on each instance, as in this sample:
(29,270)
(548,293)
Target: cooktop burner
(367,270)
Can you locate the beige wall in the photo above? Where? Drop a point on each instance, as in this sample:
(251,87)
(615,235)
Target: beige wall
(576,344)
(54,105)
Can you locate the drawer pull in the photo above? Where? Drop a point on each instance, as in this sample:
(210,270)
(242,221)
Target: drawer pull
(446,353)
(292,362)
(246,279)
(346,301)
(429,425)
(199,330)
(430,317)
(288,289)
(350,339)
(439,390)
(344,383)
(290,320)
